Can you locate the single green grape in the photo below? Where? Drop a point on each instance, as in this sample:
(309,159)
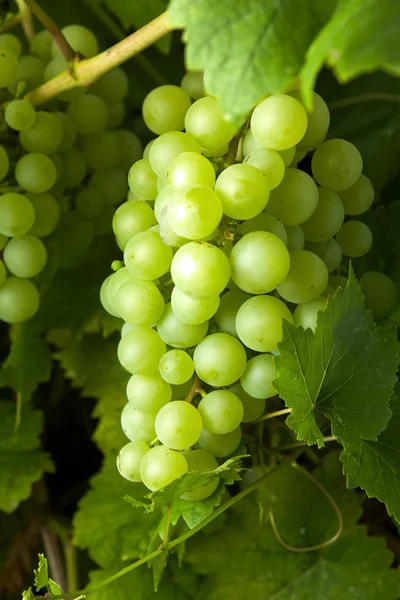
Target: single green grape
(9,41)
(131,218)
(221,411)
(193,83)
(8,68)
(279,122)
(355,239)
(104,298)
(140,351)
(359,197)
(178,425)
(129,459)
(259,323)
(44,135)
(40,45)
(19,300)
(35,173)
(327,218)
(270,163)
(178,334)
(306,314)
(160,466)
(259,375)
(148,393)
(166,147)
(264,222)
(206,123)
(19,115)
(193,311)
(195,213)
(306,280)
(89,113)
(146,256)
(219,359)
(139,303)
(137,425)
(176,367)
(25,256)
(142,180)
(220,445)
(17,214)
(164,109)
(188,169)
(259,262)
(381,293)
(253,408)
(244,191)
(295,199)
(336,165)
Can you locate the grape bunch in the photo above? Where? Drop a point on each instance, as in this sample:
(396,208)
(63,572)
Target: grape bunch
(223,236)
(63,167)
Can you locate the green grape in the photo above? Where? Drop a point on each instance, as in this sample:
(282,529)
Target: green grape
(306,280)
(112,87)
(19,115)
(200,270)
(44,135)
(16,214)
(25,256)
(295,199)
(178,334)
(306,315)
(381,293)
(74,168)
(168,235)
(75,234)
(35,173)
(193,83)
(139,303)
(160,466)
(80,38)
(57,161)
(148,393)
(137,425)
(3,273)
(167,196)
(178,425)
(244,191)
(336,281)
(116,116)
(112,185)
(219,359)
(104,297)
(176,367)
(126,327)
(287,155)
(116,280)
(206,123)
(221,411)
(10,42)
(19,300)
(47,214)
(40,45)
(195,213)
(188,169)
(130,149)
(89,114)
(101,150)
(140,351)
(270,163)
(250,144)
(225,316)
(8,68)
(131,218)
(327,218)
(259,375)
(4,163)
(259,262)
(330,252)
(336,165)
(295,237)
(69,132)
(193,311)
(166,147)
(318,121)
(220,445)
(142,180)
(253,408)
(201,462)
(279,122)
(3,241)
(355,239)
(146,256)
(164,109)
(129,459)
(259,323)
(89,202)
(264,222)
(359,197)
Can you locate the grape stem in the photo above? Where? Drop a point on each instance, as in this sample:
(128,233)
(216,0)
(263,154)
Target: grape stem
(166,530)
(272,415)
(179,540)
(194,390)
(66,50)
(89,70)
(328,438)
(26,19)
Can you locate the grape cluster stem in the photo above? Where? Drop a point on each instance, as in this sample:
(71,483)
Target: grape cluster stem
(52,27)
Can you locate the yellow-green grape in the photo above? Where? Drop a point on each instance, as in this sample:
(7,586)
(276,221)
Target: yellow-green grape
(279,122)
(359,197)
(381,293)
(336,165)
(258,377)
(355,239)
(259,323)
(295,199)
(318,121)
(219,359)
(160,466)
(164,109)
(327,218)
(178,425)
(201,462)
(129,459)
(306,280)
(206,123)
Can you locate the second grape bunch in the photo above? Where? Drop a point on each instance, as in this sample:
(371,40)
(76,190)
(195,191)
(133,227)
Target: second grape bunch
(224,236)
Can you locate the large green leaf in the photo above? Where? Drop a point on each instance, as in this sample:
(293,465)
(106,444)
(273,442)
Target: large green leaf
(375,465)
(21,461)
(361,36)
(248,47)
(345,371)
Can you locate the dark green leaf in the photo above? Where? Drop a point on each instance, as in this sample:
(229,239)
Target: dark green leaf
(346,371)
(249,47)
(41,573)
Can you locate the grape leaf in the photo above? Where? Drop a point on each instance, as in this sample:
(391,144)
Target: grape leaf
(28,364)
(107,526)
(21,461)
(245,560)
(346,371)
(245,47)
(375,465)
(28,594)
(42,579)
(91,363)
(361,36)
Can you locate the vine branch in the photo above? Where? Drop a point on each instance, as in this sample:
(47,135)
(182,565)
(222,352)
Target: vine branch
(26,19)
(90,69)
(65,48)
(272,415)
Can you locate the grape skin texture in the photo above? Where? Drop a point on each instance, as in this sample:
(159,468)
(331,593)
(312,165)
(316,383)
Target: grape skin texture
(219,359)
(35,173)
(306,280)
(160,466)
(148,393)
(129,459)
(189,169)
(259,322)
(178,425)
(202,462)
